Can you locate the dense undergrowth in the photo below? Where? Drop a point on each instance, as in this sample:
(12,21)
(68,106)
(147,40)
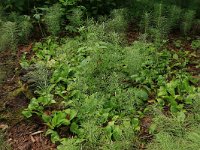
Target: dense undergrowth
(97,89)
(19,20)
(179,133)
(92,89)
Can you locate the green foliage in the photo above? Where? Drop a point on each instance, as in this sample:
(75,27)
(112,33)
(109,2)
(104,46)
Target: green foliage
(176,93)
(173,16)
(38,77)
(14,29)
(75,83)
(173,88)
(75,17)
(145,23)
(68,2)
(41,72)
(177,43)
(14,5)
(99,89)
(59,118)
(164,21)
(8,37)
(53,20)
(24,27)
(196,44)
(107,30)
(187,23)
(165,141)
(97,106)
(57,15)
(72,144)
(164,18)
(135,57)
(154,25)
(179,132)
(118,22)
(1,14)
(95,88)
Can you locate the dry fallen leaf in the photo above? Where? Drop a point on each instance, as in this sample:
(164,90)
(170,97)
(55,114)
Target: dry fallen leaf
(32,139)
(3,126)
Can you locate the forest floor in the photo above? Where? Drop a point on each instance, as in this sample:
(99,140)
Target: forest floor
(23,134)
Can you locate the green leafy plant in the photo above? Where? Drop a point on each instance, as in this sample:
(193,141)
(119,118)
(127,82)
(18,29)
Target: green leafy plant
(175,132)
(178,43)
(59,118)
(118,22)
(164,18)
(195,44)
(8,37)
(136,55)
(72,144)
(156,25)
(14,29)
(37,105)
(145,22)
(98,89)
(68,2)
(173,16)
(53,19)
(75,17)
(187,21)
(25,27)
(176,93)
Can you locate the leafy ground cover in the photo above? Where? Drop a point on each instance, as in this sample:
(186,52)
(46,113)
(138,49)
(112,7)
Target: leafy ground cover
(121,81)
(110,87)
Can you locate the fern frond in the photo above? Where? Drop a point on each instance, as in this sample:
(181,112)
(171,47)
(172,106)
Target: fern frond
(145,23)
(173,16)
(25,28)
(53,19)
(8,38)
(38,77)
(118,22)
(75,17)
(187,21)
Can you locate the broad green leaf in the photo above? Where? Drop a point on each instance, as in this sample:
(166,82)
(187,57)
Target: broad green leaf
(54,135)
(136,124)
(27,113)
(104,117)
(59,118)
(72,114)
(171,87)
(162,91)
(46,118)
(117,132)
(160,101)
(109,130)
(175,56)
(74,128)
